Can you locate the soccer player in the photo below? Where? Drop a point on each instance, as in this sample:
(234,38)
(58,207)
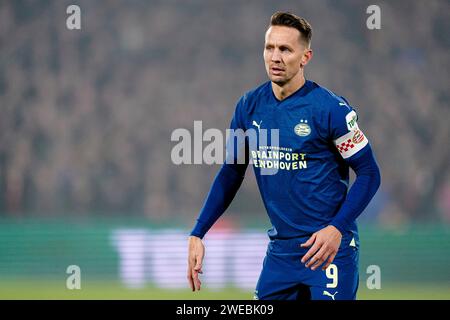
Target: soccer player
(313,247)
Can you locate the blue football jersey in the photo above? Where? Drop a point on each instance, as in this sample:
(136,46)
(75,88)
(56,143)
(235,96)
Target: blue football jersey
(318,133)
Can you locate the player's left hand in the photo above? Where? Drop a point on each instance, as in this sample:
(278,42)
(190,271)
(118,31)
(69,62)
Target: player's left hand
(325,245)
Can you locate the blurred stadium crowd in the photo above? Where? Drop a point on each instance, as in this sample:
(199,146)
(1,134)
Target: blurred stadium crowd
(87,115)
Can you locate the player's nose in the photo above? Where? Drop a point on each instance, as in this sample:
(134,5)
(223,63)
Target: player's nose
(276,56)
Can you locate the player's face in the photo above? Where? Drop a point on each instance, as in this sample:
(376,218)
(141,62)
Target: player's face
(283,54)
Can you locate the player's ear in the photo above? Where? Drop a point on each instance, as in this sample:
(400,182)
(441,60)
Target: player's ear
(306,57)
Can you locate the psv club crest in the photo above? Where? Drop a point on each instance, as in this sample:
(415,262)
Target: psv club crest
(302,129)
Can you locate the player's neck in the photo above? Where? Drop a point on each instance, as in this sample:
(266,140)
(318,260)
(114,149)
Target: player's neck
(282,92)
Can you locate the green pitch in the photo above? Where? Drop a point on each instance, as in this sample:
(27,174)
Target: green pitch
(108,290)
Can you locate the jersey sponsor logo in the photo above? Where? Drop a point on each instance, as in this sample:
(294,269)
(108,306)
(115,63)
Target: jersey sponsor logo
(279,158)
(302,129)
(351,119)
(350,143)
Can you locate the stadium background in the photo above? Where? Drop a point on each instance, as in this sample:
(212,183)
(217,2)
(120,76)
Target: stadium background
(86,176)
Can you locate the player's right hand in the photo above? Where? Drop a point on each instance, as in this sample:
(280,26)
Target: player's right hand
(196,252)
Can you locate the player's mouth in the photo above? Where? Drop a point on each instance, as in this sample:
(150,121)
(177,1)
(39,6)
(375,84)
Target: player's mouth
(276,70)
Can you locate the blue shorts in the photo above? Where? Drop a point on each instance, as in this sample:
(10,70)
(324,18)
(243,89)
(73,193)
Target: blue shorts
(285,277)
